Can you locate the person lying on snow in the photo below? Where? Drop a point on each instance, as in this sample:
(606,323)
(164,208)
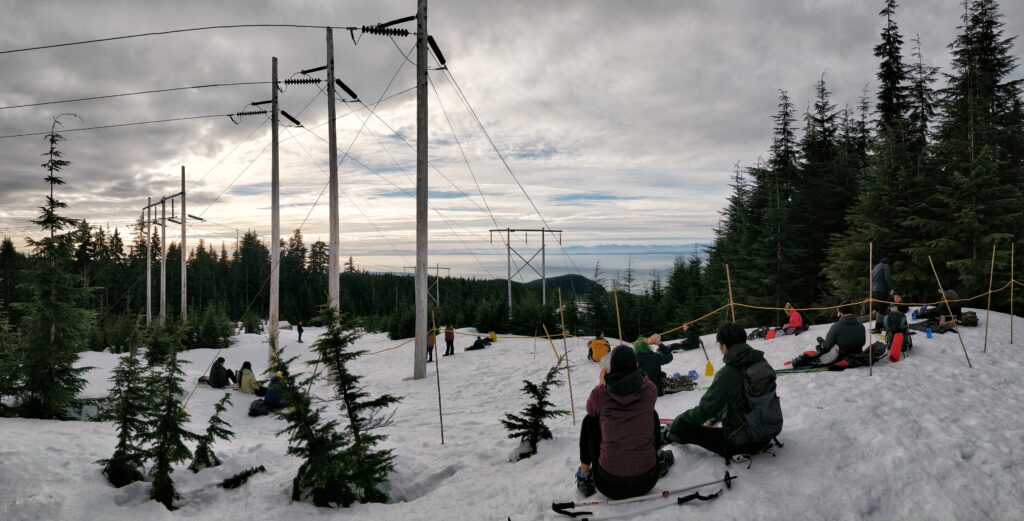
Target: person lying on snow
(620,439)
(479,344)
(650,361)
(742,396)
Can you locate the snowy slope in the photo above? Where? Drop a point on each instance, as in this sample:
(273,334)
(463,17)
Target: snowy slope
(926,438)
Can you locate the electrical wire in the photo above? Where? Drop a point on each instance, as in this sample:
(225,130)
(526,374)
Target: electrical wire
(173,31)
(156,91)
(136,123)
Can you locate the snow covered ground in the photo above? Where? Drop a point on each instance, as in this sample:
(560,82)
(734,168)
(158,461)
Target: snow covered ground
(926,438)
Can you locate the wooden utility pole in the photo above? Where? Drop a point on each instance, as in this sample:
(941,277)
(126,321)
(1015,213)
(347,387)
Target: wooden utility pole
(163,261)
(422,183)
(275,217)
(149,261)
(333,271)
(184,252)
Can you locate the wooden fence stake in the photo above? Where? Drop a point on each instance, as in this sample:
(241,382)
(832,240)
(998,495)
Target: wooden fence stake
(871,345)
(732,306)
(437,374)
(950,311)
(988,308)
(565,349)
(618,321)
(1013,248)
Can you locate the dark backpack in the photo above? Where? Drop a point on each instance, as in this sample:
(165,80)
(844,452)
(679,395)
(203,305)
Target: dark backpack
(969,318)
(763,419)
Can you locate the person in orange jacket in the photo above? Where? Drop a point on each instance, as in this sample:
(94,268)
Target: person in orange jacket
(431,342)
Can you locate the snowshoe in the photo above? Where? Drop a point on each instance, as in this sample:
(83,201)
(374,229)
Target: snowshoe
(585,483)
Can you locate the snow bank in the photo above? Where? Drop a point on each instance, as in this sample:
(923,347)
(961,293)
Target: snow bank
(926,438)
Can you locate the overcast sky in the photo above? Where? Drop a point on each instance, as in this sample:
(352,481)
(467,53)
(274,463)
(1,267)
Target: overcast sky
(623,120)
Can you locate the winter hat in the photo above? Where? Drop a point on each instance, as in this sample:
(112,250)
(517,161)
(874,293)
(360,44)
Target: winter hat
(641,346)
(623,359)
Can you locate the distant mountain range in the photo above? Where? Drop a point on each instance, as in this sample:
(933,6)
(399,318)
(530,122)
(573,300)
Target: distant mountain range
(694,248)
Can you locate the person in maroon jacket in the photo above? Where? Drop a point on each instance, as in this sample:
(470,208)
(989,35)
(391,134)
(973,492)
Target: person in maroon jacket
(449,340)
(621,434)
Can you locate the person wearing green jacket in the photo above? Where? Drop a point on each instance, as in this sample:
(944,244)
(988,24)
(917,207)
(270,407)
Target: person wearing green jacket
(742,396)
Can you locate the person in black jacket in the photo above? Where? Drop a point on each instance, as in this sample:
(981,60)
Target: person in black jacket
(298,328)
(650,361)
(219,376)
(692,340)
(742,397)
(882,287)
(846,337)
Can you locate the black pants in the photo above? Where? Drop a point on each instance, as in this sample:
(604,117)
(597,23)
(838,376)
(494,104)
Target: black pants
(300,336)
(449,347)
(615,487)
(713,439)
(430,353)
(881,308)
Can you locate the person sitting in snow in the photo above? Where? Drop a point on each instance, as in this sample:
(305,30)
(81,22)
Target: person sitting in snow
(598,348)
(896,322)
(794,325)
(692,340)
(620,438)
(219,376)
(845,339)
(650,361)
(742,396)
(274,398)
(934,312)
(480,343)
(247,382)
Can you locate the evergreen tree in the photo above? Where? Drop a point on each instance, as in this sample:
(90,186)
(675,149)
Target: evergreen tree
(55,327)
(216,429)
(129,400)
(161,341)
(528,426)
(9,356)
(167,435)
(370,467)
(325,473)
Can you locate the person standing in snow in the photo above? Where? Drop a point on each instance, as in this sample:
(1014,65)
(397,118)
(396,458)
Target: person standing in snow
(219,376)
(449,340)
(431,342)
(298,327)
(650,361)
(742,396)
(620,437)
(882,287)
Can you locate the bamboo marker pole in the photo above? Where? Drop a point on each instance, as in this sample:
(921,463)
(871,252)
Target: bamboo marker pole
(950,311)
(534,344)
(552,342)
(437,374)
(871,345)
(565,350)
(988,308)
(618,321)
(1013,283)
(732,306)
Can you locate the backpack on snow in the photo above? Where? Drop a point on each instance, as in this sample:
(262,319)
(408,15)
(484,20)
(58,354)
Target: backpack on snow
(758,333)
(969,318)
(763,418)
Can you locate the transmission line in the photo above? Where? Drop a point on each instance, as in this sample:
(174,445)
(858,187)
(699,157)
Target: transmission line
(155,91)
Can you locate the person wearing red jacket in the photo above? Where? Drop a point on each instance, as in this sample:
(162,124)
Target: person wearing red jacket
(449,340)
(621,435)
(795,323)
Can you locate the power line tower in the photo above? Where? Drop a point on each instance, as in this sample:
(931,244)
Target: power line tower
(506,235)
(436,286)
(150,218)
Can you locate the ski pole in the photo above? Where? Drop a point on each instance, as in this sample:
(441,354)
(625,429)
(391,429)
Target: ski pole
(562,508)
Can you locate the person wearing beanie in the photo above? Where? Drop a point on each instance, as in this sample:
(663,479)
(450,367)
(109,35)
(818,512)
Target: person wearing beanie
(620,437)
(742,396)
(882,287)
(650,361)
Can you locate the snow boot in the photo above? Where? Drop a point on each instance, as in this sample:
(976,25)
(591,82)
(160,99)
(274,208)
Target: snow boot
(665,460)
(585,483)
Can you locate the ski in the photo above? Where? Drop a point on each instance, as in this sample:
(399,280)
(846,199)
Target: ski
(565,508)
(794,370)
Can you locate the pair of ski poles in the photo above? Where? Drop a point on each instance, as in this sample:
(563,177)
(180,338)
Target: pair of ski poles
(564,508)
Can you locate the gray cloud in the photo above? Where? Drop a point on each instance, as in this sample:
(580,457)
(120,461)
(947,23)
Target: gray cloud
(650,103)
